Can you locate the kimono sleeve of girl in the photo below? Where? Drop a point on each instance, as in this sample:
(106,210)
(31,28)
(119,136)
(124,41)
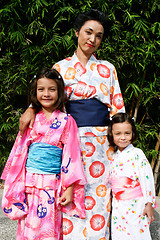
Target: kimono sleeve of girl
(72,171)
(13,200)
(146,178)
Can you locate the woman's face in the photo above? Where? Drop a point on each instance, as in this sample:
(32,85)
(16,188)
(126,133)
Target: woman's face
(89,37)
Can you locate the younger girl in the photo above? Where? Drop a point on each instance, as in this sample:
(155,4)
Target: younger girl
(132,183)
(44,173)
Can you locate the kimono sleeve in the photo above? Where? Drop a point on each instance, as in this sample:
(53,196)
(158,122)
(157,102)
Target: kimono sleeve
(117,103)
(72,171)
(13,200)
(146,179)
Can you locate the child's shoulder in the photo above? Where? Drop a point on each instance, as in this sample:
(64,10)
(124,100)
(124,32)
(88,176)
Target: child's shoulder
(139,152)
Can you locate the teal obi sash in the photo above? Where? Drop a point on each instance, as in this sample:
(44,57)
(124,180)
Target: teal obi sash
(44,158)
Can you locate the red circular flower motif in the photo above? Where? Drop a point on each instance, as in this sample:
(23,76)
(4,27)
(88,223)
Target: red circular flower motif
(80,70)
(80,89)
(91,91)
(118,101)
(96,169)
(89,202)
(103,71)
(97,222)
(90,149)
(67,226)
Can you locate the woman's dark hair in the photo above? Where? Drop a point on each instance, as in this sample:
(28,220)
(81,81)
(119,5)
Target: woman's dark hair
(120,118)
(92,14)
(54,75)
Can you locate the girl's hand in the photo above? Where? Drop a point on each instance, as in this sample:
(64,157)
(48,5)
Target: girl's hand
(66,196)
(148,211)
(26,119)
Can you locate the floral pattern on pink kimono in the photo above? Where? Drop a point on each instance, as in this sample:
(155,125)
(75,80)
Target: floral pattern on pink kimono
(33,198)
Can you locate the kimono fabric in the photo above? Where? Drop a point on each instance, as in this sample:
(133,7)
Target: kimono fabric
(32,191)
(98,80)
(133,186)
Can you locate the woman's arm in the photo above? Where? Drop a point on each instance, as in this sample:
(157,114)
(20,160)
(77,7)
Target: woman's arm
(26,119)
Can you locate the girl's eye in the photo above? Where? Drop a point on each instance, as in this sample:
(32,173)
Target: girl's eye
(40,89)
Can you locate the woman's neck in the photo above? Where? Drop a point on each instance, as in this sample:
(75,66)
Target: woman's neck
(83,57)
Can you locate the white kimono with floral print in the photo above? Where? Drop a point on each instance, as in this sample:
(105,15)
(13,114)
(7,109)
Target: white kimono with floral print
(97,80)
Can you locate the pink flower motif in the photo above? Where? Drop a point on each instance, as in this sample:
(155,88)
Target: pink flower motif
(91,91)
(97,222)
(118,101)
(80,70)
(80,89)
(103,71)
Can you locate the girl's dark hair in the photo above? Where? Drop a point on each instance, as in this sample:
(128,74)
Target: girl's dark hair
(54,75)
(92,14)
(120,118)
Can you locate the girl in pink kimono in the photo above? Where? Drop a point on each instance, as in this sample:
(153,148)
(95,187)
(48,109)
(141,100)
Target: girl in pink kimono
(44,173)
(131,182)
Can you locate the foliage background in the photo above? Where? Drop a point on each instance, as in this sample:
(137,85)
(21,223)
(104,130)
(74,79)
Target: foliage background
(36,33)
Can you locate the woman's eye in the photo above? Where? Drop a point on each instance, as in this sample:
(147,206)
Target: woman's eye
(100,37)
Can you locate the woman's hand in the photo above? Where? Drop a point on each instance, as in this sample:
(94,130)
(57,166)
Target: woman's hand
(66,196)
(26,119)
(148,211)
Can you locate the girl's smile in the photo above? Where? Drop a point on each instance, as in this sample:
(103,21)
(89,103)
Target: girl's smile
(122,134)
(47,93)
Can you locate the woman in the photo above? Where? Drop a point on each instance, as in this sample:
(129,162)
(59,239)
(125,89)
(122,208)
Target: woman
(93,96)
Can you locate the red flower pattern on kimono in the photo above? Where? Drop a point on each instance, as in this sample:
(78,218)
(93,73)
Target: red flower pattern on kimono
(118,101)
(103,71)
(80,70)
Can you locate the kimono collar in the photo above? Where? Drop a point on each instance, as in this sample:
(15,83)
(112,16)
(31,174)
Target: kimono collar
(92,58)
(128,148)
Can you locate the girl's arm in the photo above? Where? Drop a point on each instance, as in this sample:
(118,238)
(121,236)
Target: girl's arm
(148,211)
(26,119)
(66,196)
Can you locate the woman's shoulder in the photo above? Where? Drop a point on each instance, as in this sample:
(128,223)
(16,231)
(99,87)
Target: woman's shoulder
(106,63)
(63,61)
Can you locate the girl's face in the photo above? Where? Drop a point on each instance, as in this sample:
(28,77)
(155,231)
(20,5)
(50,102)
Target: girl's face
(89,37)
(47,93)
(122,134)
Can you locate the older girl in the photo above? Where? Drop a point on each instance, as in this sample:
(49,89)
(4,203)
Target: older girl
(44,174)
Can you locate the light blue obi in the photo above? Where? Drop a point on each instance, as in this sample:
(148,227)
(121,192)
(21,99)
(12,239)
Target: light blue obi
(44,158)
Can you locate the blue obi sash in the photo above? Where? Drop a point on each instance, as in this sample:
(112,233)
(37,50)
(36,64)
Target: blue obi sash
(88,112)
(44,158)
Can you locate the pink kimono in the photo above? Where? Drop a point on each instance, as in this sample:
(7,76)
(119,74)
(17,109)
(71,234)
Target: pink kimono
(32,198)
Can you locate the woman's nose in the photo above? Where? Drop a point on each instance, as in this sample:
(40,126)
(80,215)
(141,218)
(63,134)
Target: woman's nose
(92,38)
